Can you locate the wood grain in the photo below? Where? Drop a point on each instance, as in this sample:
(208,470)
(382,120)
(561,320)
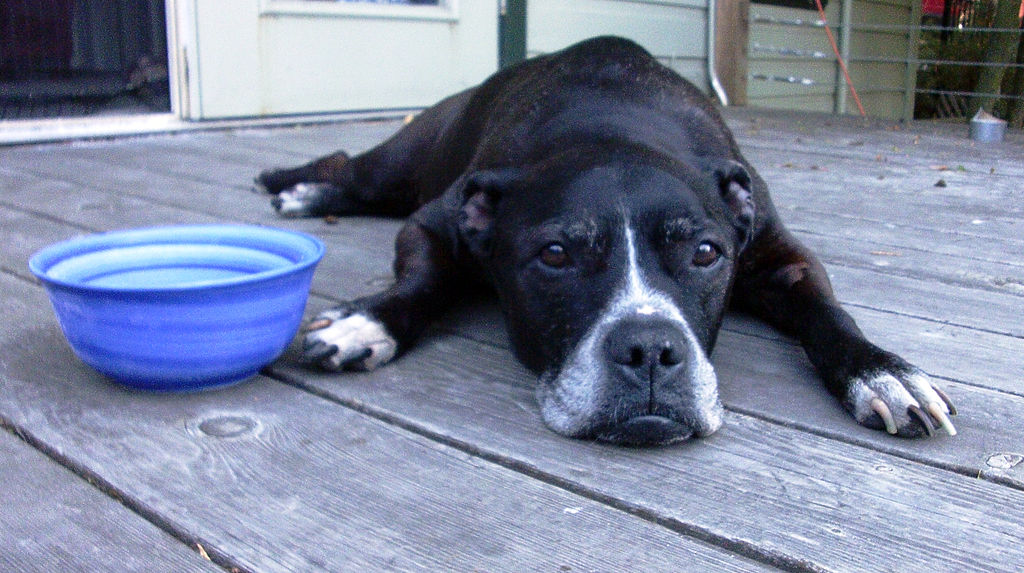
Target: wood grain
(345,471)
(51,520)
(276,479)
(778,489)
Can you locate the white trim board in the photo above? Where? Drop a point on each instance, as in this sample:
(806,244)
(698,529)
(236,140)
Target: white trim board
(67,129)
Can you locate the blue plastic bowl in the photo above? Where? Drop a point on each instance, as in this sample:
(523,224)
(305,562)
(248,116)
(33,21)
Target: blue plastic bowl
(183,307)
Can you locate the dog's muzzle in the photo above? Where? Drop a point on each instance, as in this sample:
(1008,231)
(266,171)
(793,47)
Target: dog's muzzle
(640,380)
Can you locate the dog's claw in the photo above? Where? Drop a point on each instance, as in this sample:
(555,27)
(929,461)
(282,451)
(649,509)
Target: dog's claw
(902,397)
(935,409)
(885,414)
(340,339)
(318,352)
(358,356)
(945,398)
(319,324)
(917,413)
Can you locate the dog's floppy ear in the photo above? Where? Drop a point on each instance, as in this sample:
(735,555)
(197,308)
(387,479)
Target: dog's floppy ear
(734,185)
(481,193)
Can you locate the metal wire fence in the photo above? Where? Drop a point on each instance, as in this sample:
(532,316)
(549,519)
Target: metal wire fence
(942,62)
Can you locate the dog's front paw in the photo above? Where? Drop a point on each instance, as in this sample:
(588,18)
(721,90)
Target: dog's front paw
(302,200)
(340,339)
(901,399)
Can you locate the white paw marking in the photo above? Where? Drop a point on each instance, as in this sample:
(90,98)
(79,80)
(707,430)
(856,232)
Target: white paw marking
(898,393)
(295,201)
(354,335)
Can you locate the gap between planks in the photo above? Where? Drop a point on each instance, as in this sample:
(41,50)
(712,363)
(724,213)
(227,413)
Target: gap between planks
(205,549)
(745,549)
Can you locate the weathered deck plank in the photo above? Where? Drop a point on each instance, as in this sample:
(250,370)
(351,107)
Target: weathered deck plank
(791,480)
(995,354)
(982,310)
(954,216)
(781,386)
(311,141)
(226,203)
(782,492)
(748,388)
(959,260)
(94,198)
(922,143)
(368,246)
(269,478)
(51,520)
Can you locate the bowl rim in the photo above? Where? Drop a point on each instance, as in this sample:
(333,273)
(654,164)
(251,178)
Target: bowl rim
(308,247)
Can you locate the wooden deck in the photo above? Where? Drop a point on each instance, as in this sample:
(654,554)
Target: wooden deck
(440,461)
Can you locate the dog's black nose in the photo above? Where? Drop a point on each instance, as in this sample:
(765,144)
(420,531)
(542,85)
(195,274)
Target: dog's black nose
(646,348)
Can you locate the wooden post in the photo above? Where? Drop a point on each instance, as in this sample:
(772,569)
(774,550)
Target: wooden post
(512,33)
(845,35)
(732,28)
(910,72)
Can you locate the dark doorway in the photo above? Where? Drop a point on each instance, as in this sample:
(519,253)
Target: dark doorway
(75,58)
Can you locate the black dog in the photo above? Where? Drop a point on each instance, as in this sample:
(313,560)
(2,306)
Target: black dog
(605,200)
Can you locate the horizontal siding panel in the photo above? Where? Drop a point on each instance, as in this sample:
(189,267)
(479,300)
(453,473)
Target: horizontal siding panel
(674,32)
(866,76)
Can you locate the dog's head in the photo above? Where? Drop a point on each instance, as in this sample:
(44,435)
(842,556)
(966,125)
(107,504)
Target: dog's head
(613,273)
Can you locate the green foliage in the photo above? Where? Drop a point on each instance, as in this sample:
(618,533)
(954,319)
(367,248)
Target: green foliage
(957,46)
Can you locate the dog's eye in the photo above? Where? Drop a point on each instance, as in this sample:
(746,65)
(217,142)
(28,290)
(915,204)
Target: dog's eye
(706,255)
(554,256)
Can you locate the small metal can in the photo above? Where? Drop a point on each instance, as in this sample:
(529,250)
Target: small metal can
(987,128)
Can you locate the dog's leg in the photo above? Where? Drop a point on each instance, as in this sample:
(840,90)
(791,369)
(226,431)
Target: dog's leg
(370,331)
(392,179)
(369,184)
(321,170)
(313,189)
(782,282)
